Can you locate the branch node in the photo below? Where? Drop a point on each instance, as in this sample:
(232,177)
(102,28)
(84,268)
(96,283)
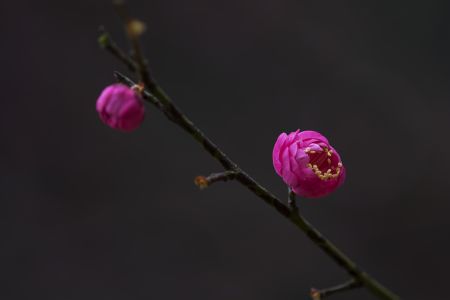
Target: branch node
(138,88)
(292,201)
(104,40)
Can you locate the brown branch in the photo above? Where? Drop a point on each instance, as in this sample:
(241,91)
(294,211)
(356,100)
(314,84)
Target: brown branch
(155,95)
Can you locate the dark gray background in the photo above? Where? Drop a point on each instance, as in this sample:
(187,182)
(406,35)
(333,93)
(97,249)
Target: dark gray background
(90,213)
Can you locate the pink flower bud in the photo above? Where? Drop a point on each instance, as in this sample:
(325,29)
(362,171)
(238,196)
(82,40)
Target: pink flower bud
(120,107)
(307,163)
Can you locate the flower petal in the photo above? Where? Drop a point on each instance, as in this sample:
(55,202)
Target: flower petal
(309,134)
(277,152)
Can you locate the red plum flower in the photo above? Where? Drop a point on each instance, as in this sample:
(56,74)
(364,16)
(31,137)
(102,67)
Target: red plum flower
(308,164)
(120,107)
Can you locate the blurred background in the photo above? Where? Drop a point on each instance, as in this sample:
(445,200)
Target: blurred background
(90,213)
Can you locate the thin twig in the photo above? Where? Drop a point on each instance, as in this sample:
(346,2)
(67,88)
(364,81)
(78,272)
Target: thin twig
(175,115)
(108,44)
(203,182)
(349,285)
(133,35)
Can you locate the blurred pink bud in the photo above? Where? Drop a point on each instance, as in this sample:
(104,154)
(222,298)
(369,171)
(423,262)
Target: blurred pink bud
(307,163)
(120,107)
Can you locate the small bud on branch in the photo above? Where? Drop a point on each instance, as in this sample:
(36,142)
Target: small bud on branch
(135,27)
(121,107)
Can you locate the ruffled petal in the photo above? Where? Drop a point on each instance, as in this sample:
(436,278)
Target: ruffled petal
(302,158)
(277,152)
(285,162)
(292,137)
(315,147)
(312,135)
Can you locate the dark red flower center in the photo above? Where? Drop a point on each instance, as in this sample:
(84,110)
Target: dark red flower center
(324,163)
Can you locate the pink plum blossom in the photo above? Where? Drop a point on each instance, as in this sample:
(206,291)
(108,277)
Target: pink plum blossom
(307,163)
(120,107)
